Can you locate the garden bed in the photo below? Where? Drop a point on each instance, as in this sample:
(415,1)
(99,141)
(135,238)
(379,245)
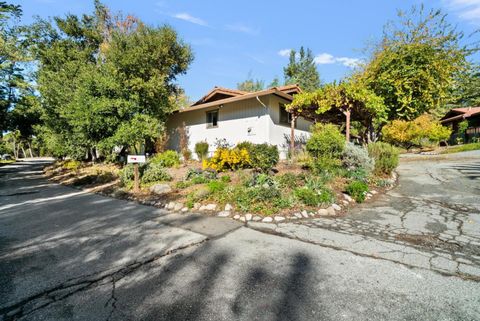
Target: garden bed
(282,194)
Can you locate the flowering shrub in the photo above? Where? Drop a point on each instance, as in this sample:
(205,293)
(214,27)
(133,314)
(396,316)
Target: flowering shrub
(228,159)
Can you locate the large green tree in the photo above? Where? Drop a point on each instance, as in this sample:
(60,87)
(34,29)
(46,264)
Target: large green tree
(251,84)
(417,63)
(301,70)
(11,58)
(100,74)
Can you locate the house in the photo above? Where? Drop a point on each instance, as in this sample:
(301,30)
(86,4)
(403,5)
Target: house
(236,116)
(456,116)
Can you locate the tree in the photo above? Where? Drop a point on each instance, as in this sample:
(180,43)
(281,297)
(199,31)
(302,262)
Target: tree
(11,57)
(275,82)
(302,71)
(251,84)
(467,90)
(416,65)
(107,80)
(352,98)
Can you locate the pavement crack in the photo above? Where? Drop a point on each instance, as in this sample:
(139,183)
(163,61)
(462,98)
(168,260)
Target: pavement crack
(66,289)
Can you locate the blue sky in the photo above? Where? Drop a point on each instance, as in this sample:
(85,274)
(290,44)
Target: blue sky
(232,39)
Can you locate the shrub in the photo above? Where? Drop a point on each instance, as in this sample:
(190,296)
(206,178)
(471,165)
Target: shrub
(358,174)
(358,190)
(155,172)
(245,145)
(228,159)
(263,156)
(311,197)
(290,180)
(197,174)
(127,173)
(385,156)
(226,179)
(201,149)
(260,180)
(71,164)
(422,131)
(326,141)
(168,158)
(216,186)
(356,157)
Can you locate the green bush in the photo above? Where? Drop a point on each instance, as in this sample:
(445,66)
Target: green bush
(216,186)
(385,156)
(155,173)
(127,173)
(201,149)
(263,157)
(199,176)
(290,180)
(260,179)
(311,197)
(356,157)
(168,158)
(326,141)
(225,179)
(358,190)
(358,174)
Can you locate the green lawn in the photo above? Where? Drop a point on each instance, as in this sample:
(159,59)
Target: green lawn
(462,148)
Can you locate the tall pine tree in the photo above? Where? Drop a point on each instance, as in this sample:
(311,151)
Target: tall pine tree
(301,70)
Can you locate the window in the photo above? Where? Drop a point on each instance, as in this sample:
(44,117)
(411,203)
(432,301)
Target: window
(212,119)
(285,117)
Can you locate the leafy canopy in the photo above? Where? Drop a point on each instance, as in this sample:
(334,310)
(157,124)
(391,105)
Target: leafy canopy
(415,66)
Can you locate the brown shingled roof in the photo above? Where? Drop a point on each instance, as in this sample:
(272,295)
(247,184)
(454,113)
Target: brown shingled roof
(221,95)
(460,113)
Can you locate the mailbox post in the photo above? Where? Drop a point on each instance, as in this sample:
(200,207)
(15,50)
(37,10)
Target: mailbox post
(135,160)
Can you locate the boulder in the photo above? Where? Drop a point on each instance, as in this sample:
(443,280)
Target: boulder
(280,218)
(228,207)
(248,217)
(178,207)
(224,214)
(267,220)
(336,207)
(160,189)
(323,212)
(347,197)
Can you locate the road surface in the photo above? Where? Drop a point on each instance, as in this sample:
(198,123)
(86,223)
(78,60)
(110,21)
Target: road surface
(69,255)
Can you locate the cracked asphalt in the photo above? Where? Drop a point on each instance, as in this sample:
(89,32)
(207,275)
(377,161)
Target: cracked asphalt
(413,254)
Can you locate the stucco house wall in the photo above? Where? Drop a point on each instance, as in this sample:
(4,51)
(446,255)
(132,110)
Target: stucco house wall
(237,122)
(254,120)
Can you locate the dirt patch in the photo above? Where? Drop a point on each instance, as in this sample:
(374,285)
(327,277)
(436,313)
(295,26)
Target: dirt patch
(430,241)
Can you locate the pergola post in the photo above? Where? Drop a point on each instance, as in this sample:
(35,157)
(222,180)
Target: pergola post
(347,125)
(292,134)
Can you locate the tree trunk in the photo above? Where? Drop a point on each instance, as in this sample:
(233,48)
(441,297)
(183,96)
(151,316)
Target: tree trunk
(30,150)
(23,152)
(347,126)
(292,135)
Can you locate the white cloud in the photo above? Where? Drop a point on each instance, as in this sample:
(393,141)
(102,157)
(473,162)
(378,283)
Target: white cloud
(465,9)
(349,62)
(324,58)
(187,17)
(238,27)
(284,52)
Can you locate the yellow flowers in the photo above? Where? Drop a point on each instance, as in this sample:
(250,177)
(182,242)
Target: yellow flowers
(225,159)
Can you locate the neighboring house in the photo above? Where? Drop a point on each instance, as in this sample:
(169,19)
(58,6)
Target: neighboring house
(236,116)
(457,115)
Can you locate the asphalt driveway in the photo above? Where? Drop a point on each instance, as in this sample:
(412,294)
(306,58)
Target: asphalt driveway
(70,255)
